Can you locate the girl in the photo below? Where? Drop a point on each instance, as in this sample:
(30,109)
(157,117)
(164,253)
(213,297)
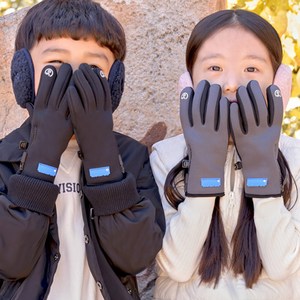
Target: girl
(229,192)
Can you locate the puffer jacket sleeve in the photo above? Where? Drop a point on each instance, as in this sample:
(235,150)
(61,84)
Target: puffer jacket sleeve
(278,227)
(25,207)
(187,227)
(128,214)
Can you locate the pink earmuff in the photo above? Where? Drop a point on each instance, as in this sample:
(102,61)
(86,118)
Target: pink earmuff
(283,79)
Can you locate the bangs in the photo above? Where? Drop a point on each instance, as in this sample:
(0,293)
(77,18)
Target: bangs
(71,18)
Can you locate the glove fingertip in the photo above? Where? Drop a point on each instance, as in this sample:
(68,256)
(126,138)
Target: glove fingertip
(65,71)
(47,81)
(83,67)
(242,90)
(275,105)
(76,76)
(106,89)
(186,97)
(186,94)
(48,77)
(49,71)
(233,112)
(99,85)
(203,85)
(234,108)
(224,106)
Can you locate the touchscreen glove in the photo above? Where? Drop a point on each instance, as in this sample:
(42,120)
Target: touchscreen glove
(51,128)
(91,113)
(256,127)
(204,119)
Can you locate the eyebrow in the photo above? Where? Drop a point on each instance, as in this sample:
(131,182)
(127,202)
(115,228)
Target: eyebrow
(249,56)
(88,54)
(96,55)
(255,57)
(50,50)
(211,56)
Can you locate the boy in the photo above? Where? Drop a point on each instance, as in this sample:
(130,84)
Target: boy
(80,212)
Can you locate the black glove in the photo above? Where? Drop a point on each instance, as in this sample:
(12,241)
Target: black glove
(91,113)
(51,128)
(204,119)
(256,128)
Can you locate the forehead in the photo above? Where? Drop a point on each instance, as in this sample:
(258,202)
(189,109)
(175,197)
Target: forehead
(72,48)
(234,42)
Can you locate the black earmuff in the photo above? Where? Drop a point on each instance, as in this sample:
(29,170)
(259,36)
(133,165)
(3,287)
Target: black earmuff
(22,76)
(116,78)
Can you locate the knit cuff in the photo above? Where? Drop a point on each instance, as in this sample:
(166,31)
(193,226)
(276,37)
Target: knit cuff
(110,198)
(33,194)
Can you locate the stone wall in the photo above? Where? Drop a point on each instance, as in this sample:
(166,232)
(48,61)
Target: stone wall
(157,33)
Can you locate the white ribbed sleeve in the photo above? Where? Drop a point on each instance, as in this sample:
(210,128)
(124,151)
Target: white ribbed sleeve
(278,229)
(186,228)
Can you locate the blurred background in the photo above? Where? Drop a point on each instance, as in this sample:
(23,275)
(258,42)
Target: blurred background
(284,15)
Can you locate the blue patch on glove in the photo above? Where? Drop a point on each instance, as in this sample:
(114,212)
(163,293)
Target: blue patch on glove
(210,182)
(98,172)
(48,170)
(257,182)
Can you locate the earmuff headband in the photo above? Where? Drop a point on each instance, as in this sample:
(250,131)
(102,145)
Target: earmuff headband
(22,76)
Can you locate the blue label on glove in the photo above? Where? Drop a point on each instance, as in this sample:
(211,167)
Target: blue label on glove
(98,172)
(257,182)
(210,182)
(48,170)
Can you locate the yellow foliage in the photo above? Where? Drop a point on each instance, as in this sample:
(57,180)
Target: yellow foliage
(10,6)
(284,15)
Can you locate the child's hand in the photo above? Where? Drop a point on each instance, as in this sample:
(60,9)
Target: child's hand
(204,119)
(91,113)
(51,128)
(256,127)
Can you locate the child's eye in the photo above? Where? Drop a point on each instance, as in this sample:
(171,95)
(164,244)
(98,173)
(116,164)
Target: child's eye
(251,69)
(94,67)
(56,62)
(215,68)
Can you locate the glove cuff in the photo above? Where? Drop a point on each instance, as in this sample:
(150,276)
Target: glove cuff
(38,170)
(110,169)
(263,187)
(264,181)
(110,198)
(199,185)
(32,194)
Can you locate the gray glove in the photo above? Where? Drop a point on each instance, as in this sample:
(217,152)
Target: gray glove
(204,119)
(256,128)
(51,127)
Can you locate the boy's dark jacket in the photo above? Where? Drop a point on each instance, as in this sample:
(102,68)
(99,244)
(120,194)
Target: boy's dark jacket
(120,240)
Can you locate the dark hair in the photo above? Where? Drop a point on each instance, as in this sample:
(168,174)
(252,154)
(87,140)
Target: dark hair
(250,21)
(77,19)
(215,254)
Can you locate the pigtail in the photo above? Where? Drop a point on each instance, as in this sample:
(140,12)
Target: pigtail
(215,252)
(287,181)
(245,257)
(172,194)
